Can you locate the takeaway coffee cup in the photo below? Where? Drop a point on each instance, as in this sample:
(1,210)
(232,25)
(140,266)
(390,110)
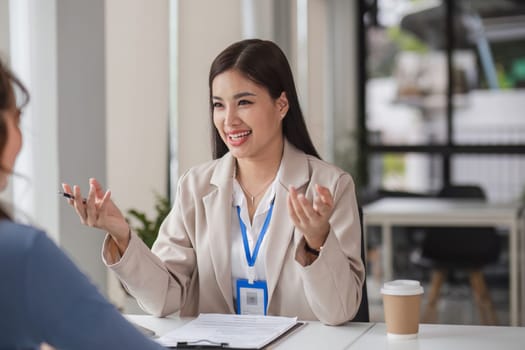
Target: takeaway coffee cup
(402,300)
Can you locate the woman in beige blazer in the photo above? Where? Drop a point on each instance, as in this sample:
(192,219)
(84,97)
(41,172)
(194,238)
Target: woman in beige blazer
(266,196)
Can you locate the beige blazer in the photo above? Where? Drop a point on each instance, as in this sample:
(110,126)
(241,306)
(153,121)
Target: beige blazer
(189,266)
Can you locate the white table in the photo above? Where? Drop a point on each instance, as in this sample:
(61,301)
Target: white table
(313,335)
(389,212)
(373,336)
(450,337)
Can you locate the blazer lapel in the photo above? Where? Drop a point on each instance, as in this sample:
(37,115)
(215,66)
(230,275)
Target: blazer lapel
(294,171)
(217,206)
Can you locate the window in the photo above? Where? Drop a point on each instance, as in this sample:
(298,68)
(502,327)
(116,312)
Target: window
(442,94)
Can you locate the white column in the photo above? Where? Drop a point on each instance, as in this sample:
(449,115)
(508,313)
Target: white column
(137,106)
(258,19)
(7,193)
(4,29)
(343,97)
(324,57)
(34,57)
(81,122)
(204,29)
(317,105)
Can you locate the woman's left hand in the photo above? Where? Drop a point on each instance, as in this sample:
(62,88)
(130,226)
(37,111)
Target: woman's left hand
(311,217)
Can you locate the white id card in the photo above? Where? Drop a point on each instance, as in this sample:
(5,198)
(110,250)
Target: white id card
(252,298)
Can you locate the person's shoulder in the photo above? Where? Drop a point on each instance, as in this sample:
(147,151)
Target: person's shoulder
(322,165)
(319,166)
(197,181)
(18,234)
(201,171)
(325,173)
(297,157)
(198,174)
(17,240)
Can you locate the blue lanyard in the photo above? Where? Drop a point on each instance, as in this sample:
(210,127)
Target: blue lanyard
(251,258)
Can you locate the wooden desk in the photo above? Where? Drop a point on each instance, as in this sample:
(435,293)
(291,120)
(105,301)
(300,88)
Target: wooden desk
(314,335)
(389,212)
(450,337)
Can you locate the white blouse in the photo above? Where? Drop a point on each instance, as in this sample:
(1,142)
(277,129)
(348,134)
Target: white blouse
(238,256)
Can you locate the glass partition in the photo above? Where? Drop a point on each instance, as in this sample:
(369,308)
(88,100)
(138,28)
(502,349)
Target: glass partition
(443,79)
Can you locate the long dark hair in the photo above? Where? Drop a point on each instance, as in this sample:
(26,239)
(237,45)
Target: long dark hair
(8,83)
(265,64)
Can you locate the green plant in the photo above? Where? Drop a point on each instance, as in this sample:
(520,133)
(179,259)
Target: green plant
(148,229)
(407,41)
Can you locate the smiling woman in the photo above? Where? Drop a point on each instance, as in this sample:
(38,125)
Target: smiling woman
(249,122)
(266,227)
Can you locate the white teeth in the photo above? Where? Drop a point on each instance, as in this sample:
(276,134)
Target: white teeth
(239,135)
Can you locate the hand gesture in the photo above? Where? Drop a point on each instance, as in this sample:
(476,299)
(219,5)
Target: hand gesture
(311,218)
(98,210)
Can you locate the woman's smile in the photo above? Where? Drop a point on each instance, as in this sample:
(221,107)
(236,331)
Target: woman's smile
(237,138)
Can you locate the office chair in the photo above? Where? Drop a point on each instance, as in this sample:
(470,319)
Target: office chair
(446,249)
(363,314)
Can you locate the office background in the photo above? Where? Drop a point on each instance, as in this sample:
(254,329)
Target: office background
(119,92)
(107,79)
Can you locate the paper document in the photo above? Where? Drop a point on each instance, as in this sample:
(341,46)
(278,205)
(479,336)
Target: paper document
(230,331)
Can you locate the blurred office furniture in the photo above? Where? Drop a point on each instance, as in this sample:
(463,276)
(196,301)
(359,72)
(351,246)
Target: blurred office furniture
(405,238)
(448,249)
(363,314)
(423,212)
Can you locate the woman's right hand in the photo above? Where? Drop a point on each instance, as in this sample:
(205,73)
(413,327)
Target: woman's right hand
(98,210)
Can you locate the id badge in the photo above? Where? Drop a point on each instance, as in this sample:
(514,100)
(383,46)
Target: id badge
(252,298)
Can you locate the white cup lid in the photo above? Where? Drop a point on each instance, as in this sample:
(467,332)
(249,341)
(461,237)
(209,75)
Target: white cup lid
(402,287)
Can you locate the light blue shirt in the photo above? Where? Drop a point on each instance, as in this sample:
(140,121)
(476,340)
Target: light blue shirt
(45,298)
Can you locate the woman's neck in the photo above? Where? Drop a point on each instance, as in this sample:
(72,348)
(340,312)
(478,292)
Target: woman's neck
(256,175)
(253,173)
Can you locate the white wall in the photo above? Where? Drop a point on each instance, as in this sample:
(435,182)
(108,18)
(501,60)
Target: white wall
(33,57)
(204,29)
(341,135)
(4,28)
(81,122)
(137,106)
(317,101)
(4,55)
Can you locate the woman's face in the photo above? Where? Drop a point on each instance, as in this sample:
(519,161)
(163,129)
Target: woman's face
(248,119)
(13,144)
